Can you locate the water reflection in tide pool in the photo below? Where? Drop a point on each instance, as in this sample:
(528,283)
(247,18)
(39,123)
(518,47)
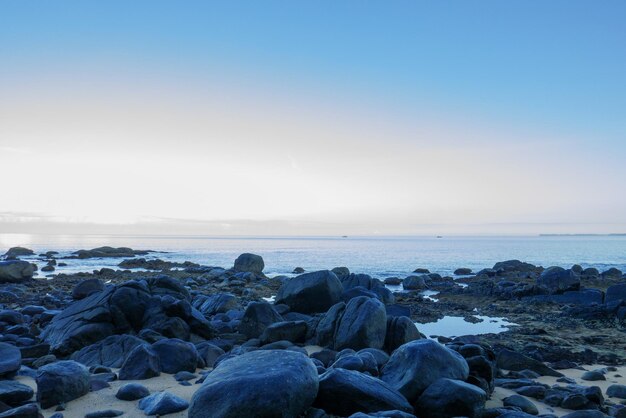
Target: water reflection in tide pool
(455,326)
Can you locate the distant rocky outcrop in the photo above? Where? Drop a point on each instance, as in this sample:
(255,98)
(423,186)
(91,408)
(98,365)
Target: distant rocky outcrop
(15,252)
(108,252)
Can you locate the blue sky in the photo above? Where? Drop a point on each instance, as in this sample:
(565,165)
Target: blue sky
(502,73)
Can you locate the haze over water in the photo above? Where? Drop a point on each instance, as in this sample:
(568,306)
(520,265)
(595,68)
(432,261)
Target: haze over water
(377,256)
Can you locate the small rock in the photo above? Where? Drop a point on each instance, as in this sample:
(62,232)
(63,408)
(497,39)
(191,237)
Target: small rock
(132,392)
(162,403)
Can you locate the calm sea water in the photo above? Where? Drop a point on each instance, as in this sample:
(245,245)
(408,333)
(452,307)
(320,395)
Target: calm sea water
(378,256)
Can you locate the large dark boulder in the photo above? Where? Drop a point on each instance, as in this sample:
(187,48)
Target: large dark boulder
(416,365)
(26,411)
(141,363)
(447,398)
(558,280)
(311,292)
(86,288)
(176,355)
(249,263)
(344,392)
(400,330)
(326,327)
(10,360)
(15,271)
(362,325)
(61,382)
(109,352)
(513,266)
(257,317)
(264,383)
(511,360)
(159,303)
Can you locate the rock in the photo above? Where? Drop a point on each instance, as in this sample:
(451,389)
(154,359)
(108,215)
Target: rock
(421,270)
(612,274)
(513,266)
(593,376)
(298,270)
(132,392)
(209,353)
(293,331)
(15,271)
(415,282)
(14,393)
(14,252)
(160,303)
(341,272)
(511,360)
(142,363)
(176,355)
(615,293)
(108,413)
(109,252)
(522,403)
(10,360)
(614,391)
(109,352)
(585,414)
(447,398)
(61,382)
(416,365)
(344,392)
(257,317)
(26,411)
(311,292)
(362,325)
(86,288)
(214,304)
(249,263)
(47,269)
(558,280)
(400,330)
(463,271)
(259,383)
(162,403)
(394,281)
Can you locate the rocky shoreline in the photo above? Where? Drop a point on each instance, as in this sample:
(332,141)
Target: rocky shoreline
(183,339)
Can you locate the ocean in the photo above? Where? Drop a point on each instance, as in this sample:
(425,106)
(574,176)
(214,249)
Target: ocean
(378,256)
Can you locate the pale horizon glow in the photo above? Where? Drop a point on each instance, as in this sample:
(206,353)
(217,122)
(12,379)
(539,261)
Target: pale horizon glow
(107,138)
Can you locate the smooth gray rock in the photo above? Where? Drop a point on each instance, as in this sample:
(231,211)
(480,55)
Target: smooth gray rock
(257,317)
(141,363)
(415,282)
(268,383)
(15,271)
(10,360)
(344,392)
(176,355)
(86,288)
(132,392)
(162,403)
(447,398)
(522,403)
(558,280)
(61,382)
(362,325)
(249,263)
(14,393)
(416,365)
(311,292)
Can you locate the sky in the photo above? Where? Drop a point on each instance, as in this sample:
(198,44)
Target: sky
(313,118)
